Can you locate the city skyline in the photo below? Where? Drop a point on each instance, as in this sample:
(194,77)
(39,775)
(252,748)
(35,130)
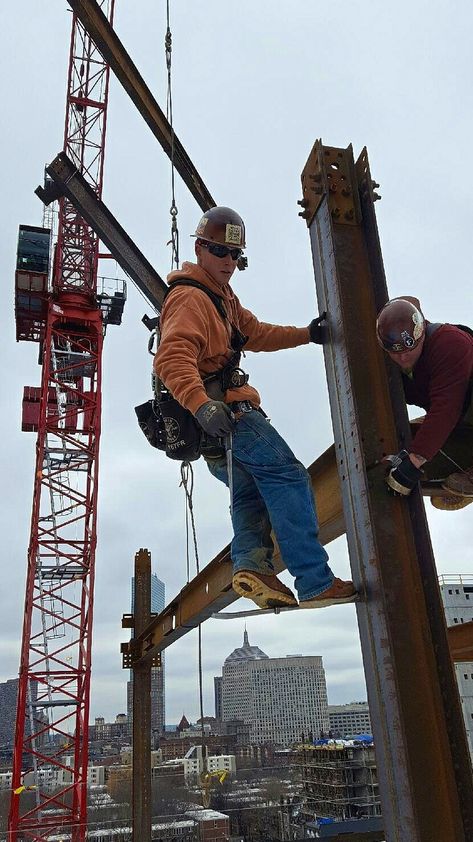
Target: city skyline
(251,159)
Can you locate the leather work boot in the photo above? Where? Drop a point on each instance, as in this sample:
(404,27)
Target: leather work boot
(450,502)
(460,483)
(339,591)
(264,589)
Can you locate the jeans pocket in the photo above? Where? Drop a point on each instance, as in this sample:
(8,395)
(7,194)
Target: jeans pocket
(263,447)
(218,468)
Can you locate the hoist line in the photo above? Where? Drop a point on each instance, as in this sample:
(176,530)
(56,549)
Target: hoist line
(174,241)
(187,482)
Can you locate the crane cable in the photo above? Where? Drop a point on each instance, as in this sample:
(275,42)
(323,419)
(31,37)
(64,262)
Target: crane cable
(187,482)
(174,241)
(187,472)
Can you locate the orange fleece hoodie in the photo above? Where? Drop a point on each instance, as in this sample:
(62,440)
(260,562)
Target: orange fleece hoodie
(195,340)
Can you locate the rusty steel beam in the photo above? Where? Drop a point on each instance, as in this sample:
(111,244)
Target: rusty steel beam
(141,773)
(460,641)
(107,42)
(211,591)
(422,757)
(67,181)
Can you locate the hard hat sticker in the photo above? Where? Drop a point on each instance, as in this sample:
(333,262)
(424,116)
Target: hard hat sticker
(407,339)
(233,234)
(418,325)
(201,225)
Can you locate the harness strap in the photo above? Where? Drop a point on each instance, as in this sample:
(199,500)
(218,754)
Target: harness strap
(237,339)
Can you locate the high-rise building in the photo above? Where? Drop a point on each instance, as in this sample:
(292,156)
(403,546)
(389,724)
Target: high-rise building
(218,696)
(158,603)
(281,698)
(457,598)
(8,699)
(348,721)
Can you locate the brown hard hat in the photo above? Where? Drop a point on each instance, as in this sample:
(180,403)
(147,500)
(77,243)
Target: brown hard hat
(400,325)
(222,225)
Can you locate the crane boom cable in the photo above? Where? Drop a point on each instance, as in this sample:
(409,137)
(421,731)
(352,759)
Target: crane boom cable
(174,241)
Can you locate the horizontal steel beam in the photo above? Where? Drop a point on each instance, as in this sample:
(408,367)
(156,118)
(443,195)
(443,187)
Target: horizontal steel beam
(107,42)
(211,591)
(69,182)
(460,642)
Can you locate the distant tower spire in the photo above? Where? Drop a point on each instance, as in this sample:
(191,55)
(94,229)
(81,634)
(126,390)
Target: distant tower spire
(246,642)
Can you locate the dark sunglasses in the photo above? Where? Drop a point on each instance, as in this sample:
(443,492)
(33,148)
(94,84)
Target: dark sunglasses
(221,251)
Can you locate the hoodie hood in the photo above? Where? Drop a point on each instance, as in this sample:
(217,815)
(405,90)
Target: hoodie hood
(196,273)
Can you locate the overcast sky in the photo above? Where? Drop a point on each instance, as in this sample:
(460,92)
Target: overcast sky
(254,84)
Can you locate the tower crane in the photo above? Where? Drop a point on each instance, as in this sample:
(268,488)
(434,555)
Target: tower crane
(65,309)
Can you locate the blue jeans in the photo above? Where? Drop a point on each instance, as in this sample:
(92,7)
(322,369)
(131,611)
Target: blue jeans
(271,488)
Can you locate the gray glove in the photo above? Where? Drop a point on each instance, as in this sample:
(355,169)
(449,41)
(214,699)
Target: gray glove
(216,418)
(317,332)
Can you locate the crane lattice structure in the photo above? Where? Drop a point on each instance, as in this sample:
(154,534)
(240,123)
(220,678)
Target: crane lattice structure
(64,311)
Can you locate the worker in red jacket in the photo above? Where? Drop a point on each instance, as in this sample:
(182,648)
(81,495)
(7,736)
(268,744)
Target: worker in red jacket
(271,488)
(436,361)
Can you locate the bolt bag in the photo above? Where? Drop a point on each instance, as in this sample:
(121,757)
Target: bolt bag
(170,427)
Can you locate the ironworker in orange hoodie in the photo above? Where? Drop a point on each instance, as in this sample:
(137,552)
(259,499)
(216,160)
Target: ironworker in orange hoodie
(198,361)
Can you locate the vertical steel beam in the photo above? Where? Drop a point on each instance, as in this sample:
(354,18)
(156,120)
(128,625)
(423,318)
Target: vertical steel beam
(141,785)
(422,756)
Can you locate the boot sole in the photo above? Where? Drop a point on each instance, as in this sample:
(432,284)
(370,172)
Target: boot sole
(450,502)
(457,493)
(324,603)
(244,584)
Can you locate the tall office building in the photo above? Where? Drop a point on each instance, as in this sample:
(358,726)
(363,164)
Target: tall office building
(158,603)
(8,700)
(218,697)
(280,698)
(349,720)
(457,598)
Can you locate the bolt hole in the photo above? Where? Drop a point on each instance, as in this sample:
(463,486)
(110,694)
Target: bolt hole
(343,477)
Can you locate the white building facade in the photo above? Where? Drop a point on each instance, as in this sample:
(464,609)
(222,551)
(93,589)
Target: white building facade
(457,598)
(280,698)
(349,720)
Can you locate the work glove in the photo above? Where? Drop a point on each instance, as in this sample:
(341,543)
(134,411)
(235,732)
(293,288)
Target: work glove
(317,332)
(404,475)
(216,418)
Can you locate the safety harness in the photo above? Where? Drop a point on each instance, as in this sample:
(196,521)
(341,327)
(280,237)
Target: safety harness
(170,427)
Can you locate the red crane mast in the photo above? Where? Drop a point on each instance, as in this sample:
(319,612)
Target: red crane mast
(67,316)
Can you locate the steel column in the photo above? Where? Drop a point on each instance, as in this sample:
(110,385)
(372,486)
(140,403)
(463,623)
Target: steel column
(141,798)
(422,758)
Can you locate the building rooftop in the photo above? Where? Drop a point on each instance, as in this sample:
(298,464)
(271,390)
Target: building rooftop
(246,652)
